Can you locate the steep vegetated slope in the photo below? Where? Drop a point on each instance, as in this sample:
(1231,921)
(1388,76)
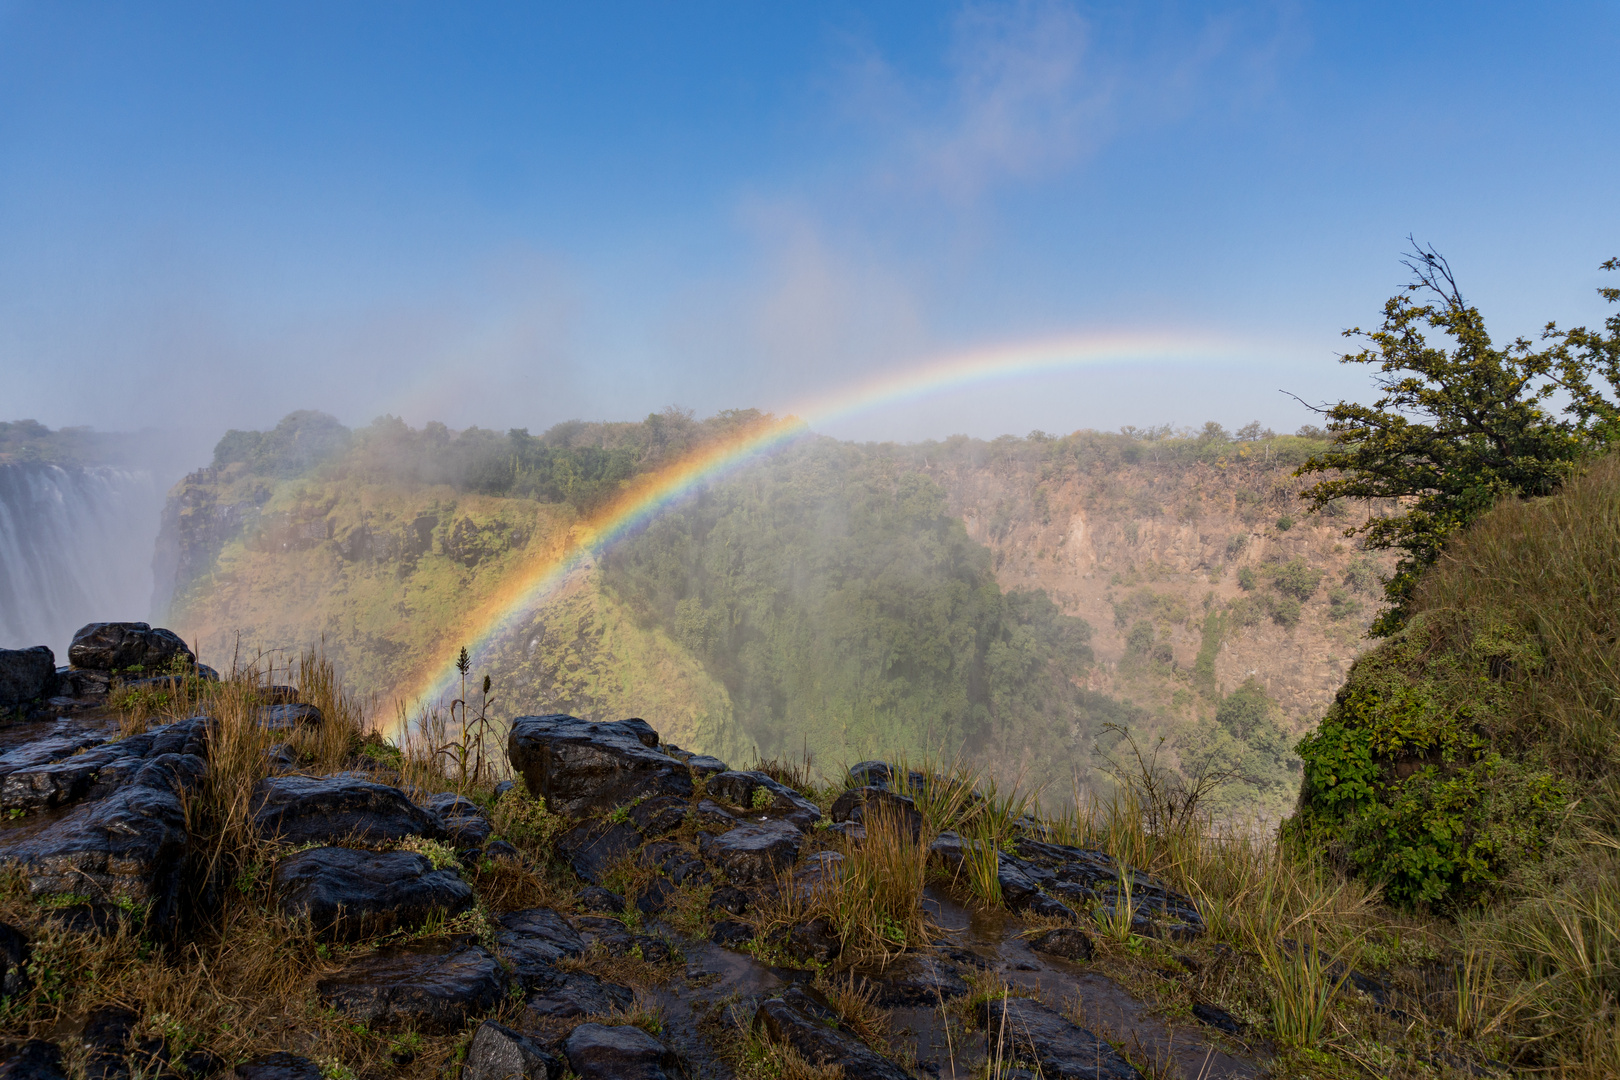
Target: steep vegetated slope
(832,600)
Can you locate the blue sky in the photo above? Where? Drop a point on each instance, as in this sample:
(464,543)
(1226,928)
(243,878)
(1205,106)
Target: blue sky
(513,215)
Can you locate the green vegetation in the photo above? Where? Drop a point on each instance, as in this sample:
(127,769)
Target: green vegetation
(1485,428)
(28,441)
(847,612)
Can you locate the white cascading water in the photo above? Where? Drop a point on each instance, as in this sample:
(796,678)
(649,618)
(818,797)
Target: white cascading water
(75,547)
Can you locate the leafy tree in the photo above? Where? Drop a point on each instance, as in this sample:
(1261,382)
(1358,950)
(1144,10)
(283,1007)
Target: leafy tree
(1458,426)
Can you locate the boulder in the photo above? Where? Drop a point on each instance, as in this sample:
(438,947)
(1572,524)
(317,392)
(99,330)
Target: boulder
(582,768)
(278,1066)
(1021,889)
(465,825)
(622,1052)
(290,717)
(1068,942)
(742,789)
(857,804)
(532,941)
(730,899)
(124,850)
(713,817)
(702,765)
(815,940)
(431,990)
(593,849)
(35,1059)
(14,980)
(796,1020)
(26,674)
(337,809)
(82,682)
(350,895)
(1037,1036)
(53,773)
(731,934)
(947,851)
(577,994)
(118,646)
(499,1053)
(754,851)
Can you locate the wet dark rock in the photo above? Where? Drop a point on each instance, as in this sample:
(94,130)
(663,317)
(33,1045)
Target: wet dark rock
(1068,942)
(350,895)
(594,848)
(655,897)
(499,1053)
(14,980)
(730,899)
(599,899)
(80,683)
(731,933)
(464,824)
(1020,889)
(755,851)
(501,849)
(53,772)
(1038,1036)
(26,674)
(102,920)
(278,1066)
(1217,1018)
(702,765)
(35,1059)
(622,1052)
(820,871)
(948,850)
(107,1029)
(582,768)
(816,939)
(200,1064)
(337,809)
(712,816)
(126,848)
(425,990)
(742,789)
(856,804)
(116,646)
(290,717)
(532,941)
(675,861)
(577,994)
(659,815)
(1078,875)
(916,979)
(281,758)
(788,1020)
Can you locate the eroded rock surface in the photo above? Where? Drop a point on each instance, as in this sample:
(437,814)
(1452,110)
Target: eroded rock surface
(350,895)
(754,852)
(1038,1036)
(814,1031)
(434,990)
(115,646)
(26,674)
(337,809)
(499,1053)
(582,768)
(621,1052)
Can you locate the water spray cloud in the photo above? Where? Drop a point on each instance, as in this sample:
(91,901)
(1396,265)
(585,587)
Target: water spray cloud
(529,587)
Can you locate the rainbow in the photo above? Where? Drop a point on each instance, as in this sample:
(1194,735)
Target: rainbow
(528,588)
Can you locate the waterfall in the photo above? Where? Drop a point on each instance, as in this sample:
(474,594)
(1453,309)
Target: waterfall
(75,547)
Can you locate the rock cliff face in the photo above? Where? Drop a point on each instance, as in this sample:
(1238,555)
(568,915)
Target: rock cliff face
(1170,546)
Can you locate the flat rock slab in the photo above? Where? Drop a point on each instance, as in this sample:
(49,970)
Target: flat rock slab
(1078,875)
(115,646)
(1037,1036)
(54,772)
(754,851)
(577,994)
(426,990)
(126,849)
(1067,942)
(622,1052)
(532,941)
(593,849)
(915,980)
(793,1020)
(499,1053)
(337,809)
(350,895)
(583,768)
(743,789)
(278,1066)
